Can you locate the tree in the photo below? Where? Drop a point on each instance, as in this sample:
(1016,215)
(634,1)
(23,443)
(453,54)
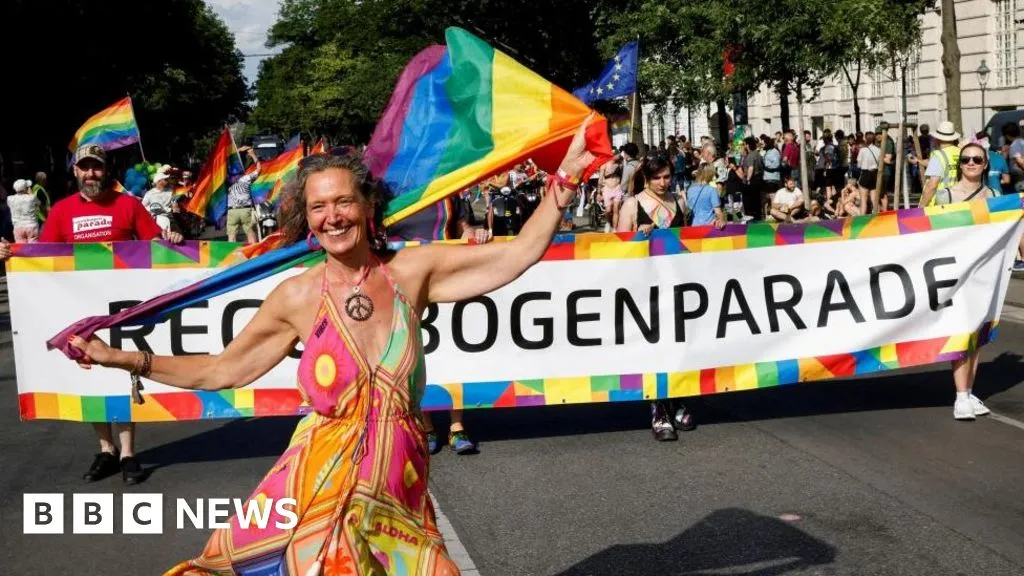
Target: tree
(341,58)
(176,59)
(951,63)
(877,34)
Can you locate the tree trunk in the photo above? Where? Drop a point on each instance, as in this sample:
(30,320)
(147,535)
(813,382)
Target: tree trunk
(783,91)
(951,64)
(805,186)
(854,86)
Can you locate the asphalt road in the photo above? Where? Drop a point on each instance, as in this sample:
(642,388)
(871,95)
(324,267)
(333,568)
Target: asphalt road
(862,477)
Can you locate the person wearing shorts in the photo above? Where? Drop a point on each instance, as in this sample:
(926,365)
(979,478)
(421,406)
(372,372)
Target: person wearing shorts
(867,161)
(240,204)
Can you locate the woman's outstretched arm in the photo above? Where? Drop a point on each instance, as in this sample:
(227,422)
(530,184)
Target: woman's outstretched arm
(454,273)
(262,344)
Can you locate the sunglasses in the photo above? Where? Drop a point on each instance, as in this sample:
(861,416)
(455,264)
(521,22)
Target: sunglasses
(979,160)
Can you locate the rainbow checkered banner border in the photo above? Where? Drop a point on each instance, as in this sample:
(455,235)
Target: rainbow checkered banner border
(603,318)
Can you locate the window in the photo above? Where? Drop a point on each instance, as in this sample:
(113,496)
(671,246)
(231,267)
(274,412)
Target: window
(878,83)
(913,73)
(846,123)
(1006,43)
(845,91)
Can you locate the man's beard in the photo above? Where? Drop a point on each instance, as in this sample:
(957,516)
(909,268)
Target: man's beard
(90,188)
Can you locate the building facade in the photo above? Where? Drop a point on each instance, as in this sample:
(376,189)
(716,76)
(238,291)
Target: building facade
(989,30)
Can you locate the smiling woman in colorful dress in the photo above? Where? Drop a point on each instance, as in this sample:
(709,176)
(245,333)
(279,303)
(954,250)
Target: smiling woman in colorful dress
(357,467)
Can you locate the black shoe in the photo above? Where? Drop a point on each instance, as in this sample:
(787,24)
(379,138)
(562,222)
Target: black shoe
(683,419)
(131,470)
(103,465)
(661,423)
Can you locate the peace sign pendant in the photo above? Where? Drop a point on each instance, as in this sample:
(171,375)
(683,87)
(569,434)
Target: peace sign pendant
(358,306)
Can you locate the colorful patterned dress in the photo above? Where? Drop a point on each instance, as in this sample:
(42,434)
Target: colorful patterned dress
(357,467)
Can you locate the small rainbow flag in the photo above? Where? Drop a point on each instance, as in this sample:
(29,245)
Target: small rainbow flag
(118,187)
(112,128)
(463,112)
(319,148)
(274,174)
(210,195)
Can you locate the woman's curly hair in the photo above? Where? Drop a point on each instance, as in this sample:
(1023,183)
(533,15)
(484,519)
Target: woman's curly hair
(292,209)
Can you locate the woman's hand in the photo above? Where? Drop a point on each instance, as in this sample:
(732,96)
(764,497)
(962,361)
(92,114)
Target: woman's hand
(645,229)
(577,157)
(172,236)
(94,352)
(5,250)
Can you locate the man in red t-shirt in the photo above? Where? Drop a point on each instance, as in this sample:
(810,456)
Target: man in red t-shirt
(98,213)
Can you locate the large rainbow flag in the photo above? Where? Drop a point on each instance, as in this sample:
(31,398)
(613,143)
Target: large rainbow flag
(465,111)
(111,128)
(210,195)
(459,114)
(274,173)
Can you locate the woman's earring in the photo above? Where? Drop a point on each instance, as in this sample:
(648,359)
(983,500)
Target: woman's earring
(309,241)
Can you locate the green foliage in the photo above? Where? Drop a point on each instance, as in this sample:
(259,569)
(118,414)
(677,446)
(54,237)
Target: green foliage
(341,58)
(176,58)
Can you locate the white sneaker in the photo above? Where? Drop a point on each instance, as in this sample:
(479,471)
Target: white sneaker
(978,406)
(963,409)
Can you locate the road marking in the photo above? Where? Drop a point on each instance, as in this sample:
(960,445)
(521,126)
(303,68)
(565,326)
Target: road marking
(1006,420)
(456,551)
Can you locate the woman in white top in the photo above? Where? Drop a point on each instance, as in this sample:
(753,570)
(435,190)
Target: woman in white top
(970,185)
(24,207)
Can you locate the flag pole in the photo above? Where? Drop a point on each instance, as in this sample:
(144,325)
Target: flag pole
(237,154)
(138,130)
(636,128)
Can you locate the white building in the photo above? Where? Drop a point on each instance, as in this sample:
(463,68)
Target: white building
(989,30)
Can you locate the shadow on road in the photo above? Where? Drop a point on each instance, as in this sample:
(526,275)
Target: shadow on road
(235,440)
(920,389)
(739,540)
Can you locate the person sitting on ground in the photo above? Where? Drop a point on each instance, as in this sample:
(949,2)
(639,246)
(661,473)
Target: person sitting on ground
(656,207)
(24,207)
(971,173)
(817,212)
(788,202)
(848,202)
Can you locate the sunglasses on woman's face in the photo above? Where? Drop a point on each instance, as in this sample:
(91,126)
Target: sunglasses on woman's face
(979,160)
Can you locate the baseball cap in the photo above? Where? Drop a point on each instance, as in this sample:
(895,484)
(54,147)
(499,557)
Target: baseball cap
(93,151)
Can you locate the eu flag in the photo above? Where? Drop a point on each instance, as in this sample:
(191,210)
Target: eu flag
(617,79)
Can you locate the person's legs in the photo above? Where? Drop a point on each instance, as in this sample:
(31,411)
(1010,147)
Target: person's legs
(105,463)
(458,440)
(249,226)
(967,405)
(232,224)
(661,421)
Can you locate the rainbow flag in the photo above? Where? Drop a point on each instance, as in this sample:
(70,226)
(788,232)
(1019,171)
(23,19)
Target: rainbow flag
(210,195)
(118,187)
(465,111)
(319,148)
(274,174)
(113,127)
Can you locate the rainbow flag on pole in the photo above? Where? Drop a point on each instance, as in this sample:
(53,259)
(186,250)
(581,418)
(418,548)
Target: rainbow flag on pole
(113,127)
(463,112)
(210,195)
(274,174)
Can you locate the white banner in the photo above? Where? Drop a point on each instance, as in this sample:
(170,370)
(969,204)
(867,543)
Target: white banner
(567,321)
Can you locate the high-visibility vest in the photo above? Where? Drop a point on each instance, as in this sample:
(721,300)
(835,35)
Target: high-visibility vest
(949,156)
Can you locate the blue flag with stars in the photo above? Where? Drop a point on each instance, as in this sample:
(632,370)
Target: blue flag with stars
(617,79)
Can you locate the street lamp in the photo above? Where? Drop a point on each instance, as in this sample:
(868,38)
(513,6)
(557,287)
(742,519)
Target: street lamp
(983,72)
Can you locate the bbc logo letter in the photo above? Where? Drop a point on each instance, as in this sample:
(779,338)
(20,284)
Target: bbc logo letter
(92,513)
(142,513)
(43,514)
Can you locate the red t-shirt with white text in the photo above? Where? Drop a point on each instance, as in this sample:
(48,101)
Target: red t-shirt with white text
(115,218)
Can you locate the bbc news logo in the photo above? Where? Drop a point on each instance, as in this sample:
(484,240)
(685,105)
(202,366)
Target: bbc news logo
(144,513)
